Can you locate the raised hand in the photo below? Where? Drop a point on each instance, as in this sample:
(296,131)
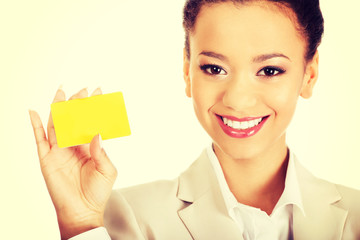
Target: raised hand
(79,179)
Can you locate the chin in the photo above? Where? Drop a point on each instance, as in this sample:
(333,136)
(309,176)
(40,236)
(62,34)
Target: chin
(239,151)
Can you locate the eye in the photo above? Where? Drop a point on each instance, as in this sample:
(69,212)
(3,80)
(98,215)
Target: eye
(212,69)
(270,71)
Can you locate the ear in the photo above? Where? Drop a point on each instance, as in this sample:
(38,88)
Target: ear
(310,77)
(186,70)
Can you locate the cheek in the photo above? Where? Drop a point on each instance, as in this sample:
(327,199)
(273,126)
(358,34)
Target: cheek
(202,96)
(283,96)
(203,93)
(283,99)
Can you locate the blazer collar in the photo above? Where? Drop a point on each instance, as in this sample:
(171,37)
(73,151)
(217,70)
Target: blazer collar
(206,216)
(322,219)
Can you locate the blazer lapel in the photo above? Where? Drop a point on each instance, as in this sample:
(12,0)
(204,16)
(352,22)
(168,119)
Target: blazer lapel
(323,220)
(206,216)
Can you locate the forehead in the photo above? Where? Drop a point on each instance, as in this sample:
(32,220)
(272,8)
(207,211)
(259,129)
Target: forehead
(249,29)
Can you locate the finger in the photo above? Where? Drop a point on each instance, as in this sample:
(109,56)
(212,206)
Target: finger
(83,93)
(42,143)
(101,160)
(84,151)
(59,97)
(97,92)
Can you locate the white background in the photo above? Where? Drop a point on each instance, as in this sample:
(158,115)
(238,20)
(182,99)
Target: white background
(136,47)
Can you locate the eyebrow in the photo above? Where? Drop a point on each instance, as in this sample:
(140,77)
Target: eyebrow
(214,55)
(264,57)
(257,59)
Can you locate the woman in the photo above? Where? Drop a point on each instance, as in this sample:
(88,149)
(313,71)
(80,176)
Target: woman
(245,65)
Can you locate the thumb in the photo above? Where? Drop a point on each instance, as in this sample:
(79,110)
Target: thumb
(101,160)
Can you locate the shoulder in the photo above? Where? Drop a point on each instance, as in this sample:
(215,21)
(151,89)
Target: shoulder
(330,202)
(146,207)
(350,197)
(350,201)
(342,196)
(160,187)
(147,197)
(153,193)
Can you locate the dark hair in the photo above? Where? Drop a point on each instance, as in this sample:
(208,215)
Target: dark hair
(309,19)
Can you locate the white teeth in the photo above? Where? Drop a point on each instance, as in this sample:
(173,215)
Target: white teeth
(236,124)
(241,125)
(244,125)
(225,120)
(252,123)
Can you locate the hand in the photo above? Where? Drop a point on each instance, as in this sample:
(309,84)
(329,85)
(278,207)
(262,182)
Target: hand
(79,179)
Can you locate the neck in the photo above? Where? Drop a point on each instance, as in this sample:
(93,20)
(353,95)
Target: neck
(257,182)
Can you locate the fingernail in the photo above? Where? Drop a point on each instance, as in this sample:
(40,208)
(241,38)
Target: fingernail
(60,87)
(100,142)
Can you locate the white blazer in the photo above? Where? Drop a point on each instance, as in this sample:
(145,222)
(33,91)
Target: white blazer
(192,207)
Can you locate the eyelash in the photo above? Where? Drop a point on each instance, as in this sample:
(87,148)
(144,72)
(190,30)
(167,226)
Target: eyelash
(271,68)
(208,69)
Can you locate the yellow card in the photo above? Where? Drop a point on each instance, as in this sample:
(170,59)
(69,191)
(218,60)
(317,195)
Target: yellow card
(78,121)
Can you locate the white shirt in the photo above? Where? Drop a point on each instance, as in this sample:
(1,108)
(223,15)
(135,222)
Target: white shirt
(255,223)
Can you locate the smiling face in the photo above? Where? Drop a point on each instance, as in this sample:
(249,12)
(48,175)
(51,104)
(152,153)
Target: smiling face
(245,74)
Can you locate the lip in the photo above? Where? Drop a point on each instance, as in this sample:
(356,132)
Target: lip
(241,133)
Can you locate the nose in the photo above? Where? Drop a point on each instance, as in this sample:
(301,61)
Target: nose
(240,93)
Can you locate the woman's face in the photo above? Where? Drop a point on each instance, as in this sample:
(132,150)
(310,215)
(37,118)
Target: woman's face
(245,73)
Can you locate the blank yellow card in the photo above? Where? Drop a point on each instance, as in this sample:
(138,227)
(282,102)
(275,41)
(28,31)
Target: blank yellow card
(78,121)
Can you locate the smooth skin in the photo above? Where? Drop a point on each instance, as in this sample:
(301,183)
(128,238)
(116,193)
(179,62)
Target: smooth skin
(79,179)
(248,61)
